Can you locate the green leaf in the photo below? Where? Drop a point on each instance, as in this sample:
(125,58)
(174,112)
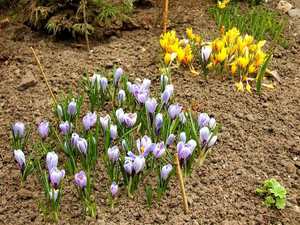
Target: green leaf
(260,191)
(261,74)
(278,190)
(269,201)
(280,203)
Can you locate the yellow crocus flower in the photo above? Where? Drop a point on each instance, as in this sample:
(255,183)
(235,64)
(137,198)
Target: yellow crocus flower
(248,88)
(252,68)
(260,57)
(221,56)
(189,33)
(233,68)
(239,86)
(167,58)
(243,62)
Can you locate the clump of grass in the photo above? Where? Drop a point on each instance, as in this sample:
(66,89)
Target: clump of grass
(259,22)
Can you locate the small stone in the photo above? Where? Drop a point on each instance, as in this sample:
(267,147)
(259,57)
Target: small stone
(294,12)
(250,117)
(25,194)
(284,6)
(27,81)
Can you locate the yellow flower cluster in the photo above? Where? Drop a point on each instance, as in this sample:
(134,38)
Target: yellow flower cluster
(223,4)
(238,55)
(181,50)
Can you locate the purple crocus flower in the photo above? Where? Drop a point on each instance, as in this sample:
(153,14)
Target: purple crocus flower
(120,115)
(141,91)
(53,194)
(51,160)
(205,53)
(118,73)
(43,129)
(129,119)
(121,96)
(89,120)
(146,83)
(113,153)
(212,123)
(95,80)
(207,137)
(103,83)
(18,130)
(158,123)
(165,171)
(151,105)
(82,145)
(113,132)
(159,149)
(74,139)
(185,150)
(168,92)
(139,163)
(183,137)
(174,110)
(145,145)
(56,176)
(170,140)
(114,189)
(182,118)
(81,179)
(72,108)
(20,159)
(128,165)
(65,128)
(142,96)
(203,120)
(104,121)
(129,86)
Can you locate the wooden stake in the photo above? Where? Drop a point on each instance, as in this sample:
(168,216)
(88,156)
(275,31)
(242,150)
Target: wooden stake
(44,75)
(84,3)
(181,182)
(165,16)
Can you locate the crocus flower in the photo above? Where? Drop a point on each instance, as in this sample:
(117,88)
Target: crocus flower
(89,120)
(113,153)
(65,127)
(56,176)
(128,165)
(72,108)
(129,86)
(114,189)
(120,115)
(151,105)
(145,145)
(129,119)
(182,118)
(95,80)
(121,96)
(212,123)
(113,132)
(139,164)
(82,145)
(59,111)
(158,123)
(170,140)
(103,83)
(165,171)
(207,137)
(43,129)
(141,91)
(205,53)
(51,160)
(118,73)
(18,130)
(174,110)
(104,121)
(53,194)
(124,145)
(168,92)
(74,139)
(183,137)
(203,120)
(146,83)
(164,80)
(159,149)
(185,150)
(81,179)
(20,159)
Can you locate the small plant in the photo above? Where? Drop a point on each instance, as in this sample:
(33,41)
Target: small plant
(274,194)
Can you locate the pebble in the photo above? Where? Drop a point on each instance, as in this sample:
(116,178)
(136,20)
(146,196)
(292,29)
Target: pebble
(284,6)
(27,81)
(294,12)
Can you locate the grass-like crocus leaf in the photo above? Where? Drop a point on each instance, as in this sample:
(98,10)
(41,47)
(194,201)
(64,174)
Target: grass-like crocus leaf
(261,73)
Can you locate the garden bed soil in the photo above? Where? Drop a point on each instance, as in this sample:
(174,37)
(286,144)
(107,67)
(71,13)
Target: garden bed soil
(260,136)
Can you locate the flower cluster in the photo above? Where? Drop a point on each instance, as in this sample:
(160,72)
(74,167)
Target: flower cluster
(223,4)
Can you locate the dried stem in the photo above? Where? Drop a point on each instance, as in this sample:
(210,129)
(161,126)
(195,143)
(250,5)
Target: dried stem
(181,182)
(165,17)
(44,75)
(84,3)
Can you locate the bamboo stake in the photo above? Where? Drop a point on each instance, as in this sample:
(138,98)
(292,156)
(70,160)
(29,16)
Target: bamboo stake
(44,75)
(85,25)
(165,16)
(181,182)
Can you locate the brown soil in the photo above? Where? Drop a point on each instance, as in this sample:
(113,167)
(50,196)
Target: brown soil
(260,137)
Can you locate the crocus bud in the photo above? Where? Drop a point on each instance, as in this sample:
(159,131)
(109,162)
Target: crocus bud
(164,80)
(103,83)
(121,96)
(166,95)
(205,53)
(203,120)
(158,123)
(113,132)
(207,137)
(114,189)
(129,86)
(20,159)
(183,151)
(53,194)
(129,119)
(104,121)
(151,105)
(72,108)
(183,137)
(182,118)
(74,139)
(165,171)
(120,115)
(174,110)
(113,153)
(170,140)
(82,145)
(212,123)
(159,149)
(59,111)
(95,79)
(64,127)
(128,165)
(142,95)
(81,179)
(117,76)
(51,160)
(89,120)
(56,176)
(43,129)
(124,145)
(146,83)
(18,130)
(139,164)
